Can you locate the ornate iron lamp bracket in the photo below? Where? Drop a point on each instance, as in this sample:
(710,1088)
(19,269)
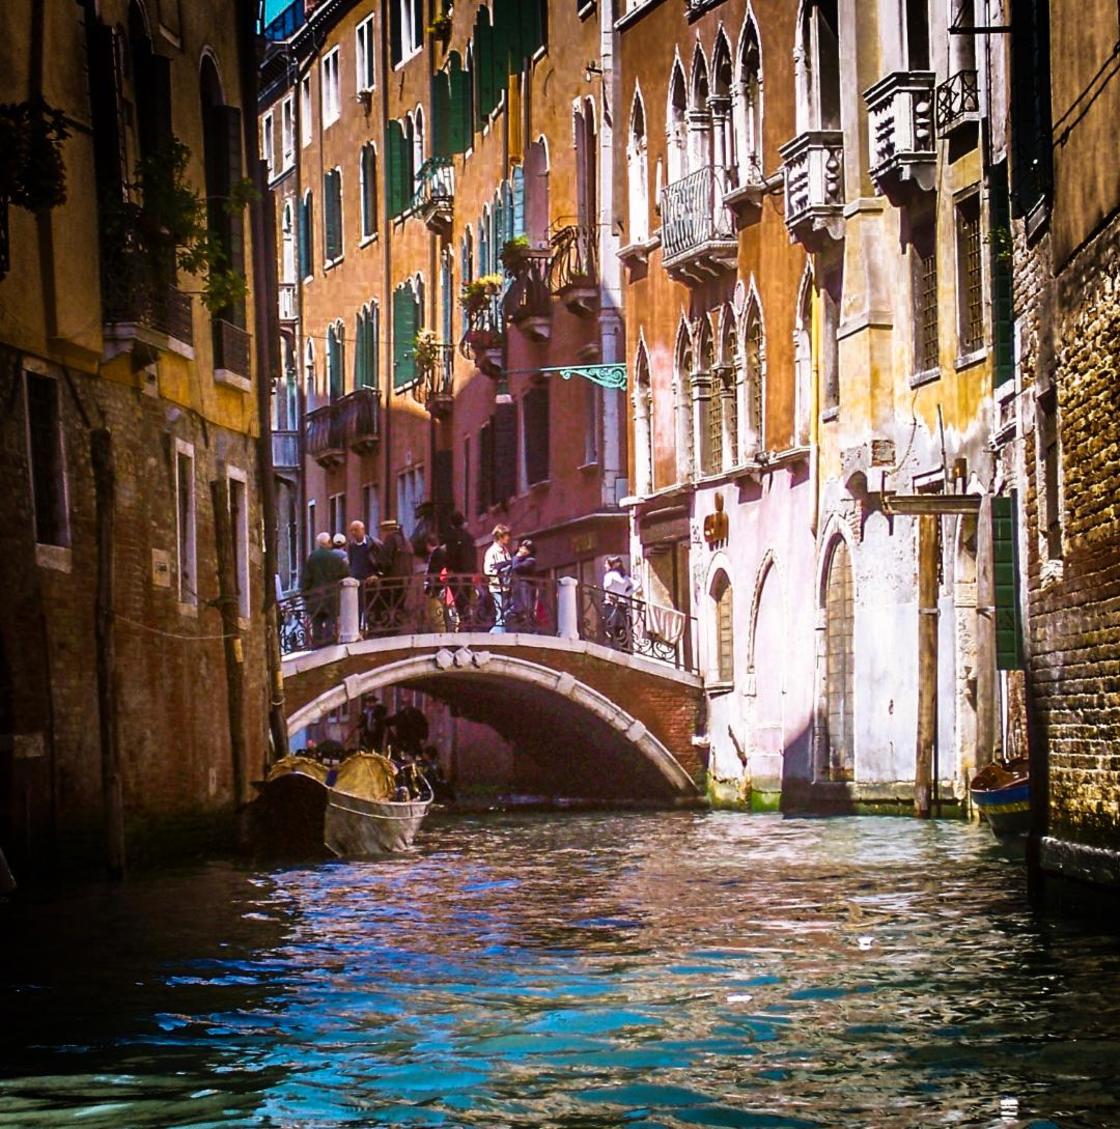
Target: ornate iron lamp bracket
(606,376)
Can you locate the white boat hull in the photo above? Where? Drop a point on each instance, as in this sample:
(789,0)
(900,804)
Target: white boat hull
(359,828)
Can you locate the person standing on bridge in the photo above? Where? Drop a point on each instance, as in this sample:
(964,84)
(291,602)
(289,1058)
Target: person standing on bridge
(396,570)
(618,594)
(461,561)
(322,571)
(495,568)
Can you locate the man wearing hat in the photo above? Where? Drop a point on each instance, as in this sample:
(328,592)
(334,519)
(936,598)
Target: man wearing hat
(396,568)
(322,571)
(618,588)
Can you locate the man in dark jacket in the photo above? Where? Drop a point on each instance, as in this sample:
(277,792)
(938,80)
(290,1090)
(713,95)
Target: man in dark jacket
(396,568)
(322,571)
(461,562)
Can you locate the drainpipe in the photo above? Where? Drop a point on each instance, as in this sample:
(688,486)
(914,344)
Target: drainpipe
(925,760)
(386,280)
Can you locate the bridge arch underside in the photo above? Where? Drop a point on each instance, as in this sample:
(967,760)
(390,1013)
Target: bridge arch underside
(570,741)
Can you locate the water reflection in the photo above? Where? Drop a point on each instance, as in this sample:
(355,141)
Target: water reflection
(650,970)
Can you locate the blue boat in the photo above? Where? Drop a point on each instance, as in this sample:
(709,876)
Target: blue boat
(1002,794)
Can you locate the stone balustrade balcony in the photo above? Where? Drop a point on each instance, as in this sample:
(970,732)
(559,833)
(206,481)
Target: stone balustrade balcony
(900,132)
(813,164)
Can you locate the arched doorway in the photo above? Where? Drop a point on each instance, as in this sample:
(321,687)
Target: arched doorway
(838,745)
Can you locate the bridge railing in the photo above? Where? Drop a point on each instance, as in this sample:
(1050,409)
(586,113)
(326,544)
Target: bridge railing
(626,623)
(382,607)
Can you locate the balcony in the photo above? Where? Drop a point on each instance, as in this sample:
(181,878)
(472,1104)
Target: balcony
(958,104)
(436,384)
(434,198)
(231,355)
(814,176)
(900,133)
(286,24)
(288,311)
(358,416)
(483,341)
(697,229)
(573,273)
(285,451)
(139,306)
(528,302)
(326,441)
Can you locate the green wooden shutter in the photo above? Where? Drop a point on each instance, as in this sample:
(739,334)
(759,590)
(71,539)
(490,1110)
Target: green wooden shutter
(373,342)
(459,83)
(518,201)
(334,361)
(332,214)
(305,250)
(441,115)
(398,172)
(1003,304)
(535,408)
(404,337)
(505,451)
(1005,561)
(500,38)
(483,66)
(532,26)
(507,14)
(485,466)
(360,377)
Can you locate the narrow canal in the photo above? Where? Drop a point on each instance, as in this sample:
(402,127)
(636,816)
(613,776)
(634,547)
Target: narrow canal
(629,970)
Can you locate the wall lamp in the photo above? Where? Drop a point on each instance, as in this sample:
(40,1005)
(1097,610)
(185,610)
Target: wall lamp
(592,68)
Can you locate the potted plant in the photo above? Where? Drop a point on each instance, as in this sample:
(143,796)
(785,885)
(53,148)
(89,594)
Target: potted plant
(476,294)
(440,28)
(513,253)
(425,349)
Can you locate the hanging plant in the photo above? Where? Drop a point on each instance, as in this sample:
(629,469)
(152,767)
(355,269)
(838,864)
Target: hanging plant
(513,253)
(32,171)
(425,350)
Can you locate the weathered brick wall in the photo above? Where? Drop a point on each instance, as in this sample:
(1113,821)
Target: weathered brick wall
(1074,625)
(170,685)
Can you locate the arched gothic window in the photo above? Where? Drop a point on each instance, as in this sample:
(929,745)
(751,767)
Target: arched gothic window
(818,72)
(723,633)
(643,424)
(803,363)
(677,153)
(748,107)
(726,382)
(638,174)
(682,380)
(754,377)
(724,156)
(838,760)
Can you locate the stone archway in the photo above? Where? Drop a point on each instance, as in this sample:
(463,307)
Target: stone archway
(582,736)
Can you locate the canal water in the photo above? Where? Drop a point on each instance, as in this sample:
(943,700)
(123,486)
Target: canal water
(570,970)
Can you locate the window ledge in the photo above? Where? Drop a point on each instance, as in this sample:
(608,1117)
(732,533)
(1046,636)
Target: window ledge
(189,610)
(232,380)
(330,264)
(1051,572)
(592,465)
(406,59)
(829,414)
(328,124)
(55,557)
(967,360)
(544,484)
(928,376)
(366,240)
(719,686)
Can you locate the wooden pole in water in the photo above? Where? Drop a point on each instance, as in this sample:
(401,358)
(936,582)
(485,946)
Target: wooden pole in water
(104,485)
(235,654)
(928,537)
(985,637)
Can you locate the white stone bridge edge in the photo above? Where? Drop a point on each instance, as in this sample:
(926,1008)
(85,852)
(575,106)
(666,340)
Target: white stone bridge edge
(462,658)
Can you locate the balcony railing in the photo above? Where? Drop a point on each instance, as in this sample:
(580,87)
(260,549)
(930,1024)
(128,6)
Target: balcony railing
(434,199)
(286,24)
(285,450)
(359,419)
(697,228)
(573,273)
(900,131)
(231,351)
(484,334)
(958,103)
(288,301)
(814,180)
(326,439)
(134,296)
(437,378)
(528,302)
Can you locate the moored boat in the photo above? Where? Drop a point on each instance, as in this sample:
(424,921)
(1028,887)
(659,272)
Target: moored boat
(371,809)
(288,815)
(1002,794)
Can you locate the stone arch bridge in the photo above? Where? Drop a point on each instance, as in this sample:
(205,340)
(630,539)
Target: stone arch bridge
(597,722)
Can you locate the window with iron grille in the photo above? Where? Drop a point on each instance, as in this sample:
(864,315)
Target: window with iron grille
(715,428)
(970,277)
(753,375)
(724,628)
(729,394)
(923,258)
(1048,452)
(48,472)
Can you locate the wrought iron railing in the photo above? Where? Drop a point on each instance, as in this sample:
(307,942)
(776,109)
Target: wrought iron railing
(309,619)
(958,101)
(437,379)
(625,623)
(484,328)
(359,418)
(575,259)
(325,435)
(529,295)
(231,348)
(285,450)
(134,295)
(435,185)
(693,213)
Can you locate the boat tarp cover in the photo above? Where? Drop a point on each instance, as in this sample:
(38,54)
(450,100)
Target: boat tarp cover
(368,776)
(294,763)
(994,776)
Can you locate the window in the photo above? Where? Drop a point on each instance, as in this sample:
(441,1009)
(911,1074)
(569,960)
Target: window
(332,215)
(831,288)
(371,507)
(368,189)
(725,384)
(185,522)
(535,423)
(410,494)
(267,154)
(682,375)
(446,296)
(1049,457)
(917,35)
(305,237)
(485,478)
(239,527)
(590,423)
(309,370)
(803,363)
(312,530)
(818,72)
(48,470)
(724,633)
(305,110)
(366,373)
(363,55)
(466,473)
(746,101)
(336,376)
(678,127)
(638,174)
(336,509)
(400,172)
(407,321)
(414,131)
(332,102)
(287,245)
(754,366)
(923,282)
(643,424)
(287,133)
(406,29)
(839,667)
(970,281)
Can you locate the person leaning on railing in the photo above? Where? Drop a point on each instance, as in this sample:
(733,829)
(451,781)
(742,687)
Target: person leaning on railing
(618,596)
(495,567)
(322,571)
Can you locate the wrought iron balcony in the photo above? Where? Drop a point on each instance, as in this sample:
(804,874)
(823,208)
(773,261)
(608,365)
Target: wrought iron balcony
(434,198)
(697,229)
(231,353)
(573,273)
(285,450)
(958,103)
(288,311)
(359,419)
(482,343)
(135,298)
(326,440)
(528,302)
(436,384)
(814,176)
(900,131)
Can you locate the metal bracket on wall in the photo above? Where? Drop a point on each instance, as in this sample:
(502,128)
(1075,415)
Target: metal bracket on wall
(606,376)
